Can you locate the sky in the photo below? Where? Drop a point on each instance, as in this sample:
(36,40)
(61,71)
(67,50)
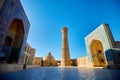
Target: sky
(81,17)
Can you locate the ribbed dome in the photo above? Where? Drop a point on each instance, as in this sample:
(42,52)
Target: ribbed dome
(49,60)
(49,57)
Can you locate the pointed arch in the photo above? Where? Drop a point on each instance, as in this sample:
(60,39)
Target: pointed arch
(97,53)
(13,41)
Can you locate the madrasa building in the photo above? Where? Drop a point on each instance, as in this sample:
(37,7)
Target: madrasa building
(102,49)
(14,28)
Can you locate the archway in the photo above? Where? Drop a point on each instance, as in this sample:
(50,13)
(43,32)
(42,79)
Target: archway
(97,54)
(13,41)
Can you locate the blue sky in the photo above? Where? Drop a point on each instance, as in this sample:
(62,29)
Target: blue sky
(48,17)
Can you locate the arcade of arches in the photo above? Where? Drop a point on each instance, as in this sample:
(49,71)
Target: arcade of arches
(97,54)
(13,41)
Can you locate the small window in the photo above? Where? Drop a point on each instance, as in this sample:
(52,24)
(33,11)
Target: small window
(8,41)
(99,51)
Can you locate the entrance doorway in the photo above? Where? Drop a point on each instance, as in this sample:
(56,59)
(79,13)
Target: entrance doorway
(13,41)
(97,53)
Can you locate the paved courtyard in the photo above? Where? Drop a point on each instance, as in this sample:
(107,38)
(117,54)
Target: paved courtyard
(50,73)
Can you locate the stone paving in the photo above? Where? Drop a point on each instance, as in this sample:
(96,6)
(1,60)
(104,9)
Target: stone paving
(50,73)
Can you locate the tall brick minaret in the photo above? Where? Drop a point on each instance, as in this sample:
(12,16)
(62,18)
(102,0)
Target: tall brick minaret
(65,61)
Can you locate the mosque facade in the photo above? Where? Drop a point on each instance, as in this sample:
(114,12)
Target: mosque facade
(14,28)
(101,47)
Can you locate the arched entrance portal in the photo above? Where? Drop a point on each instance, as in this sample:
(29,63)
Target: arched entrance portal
(97,54)
(13,41)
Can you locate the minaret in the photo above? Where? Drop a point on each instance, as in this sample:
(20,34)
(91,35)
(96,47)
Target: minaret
(65,61)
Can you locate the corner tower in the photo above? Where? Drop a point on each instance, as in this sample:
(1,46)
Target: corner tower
(65,61)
